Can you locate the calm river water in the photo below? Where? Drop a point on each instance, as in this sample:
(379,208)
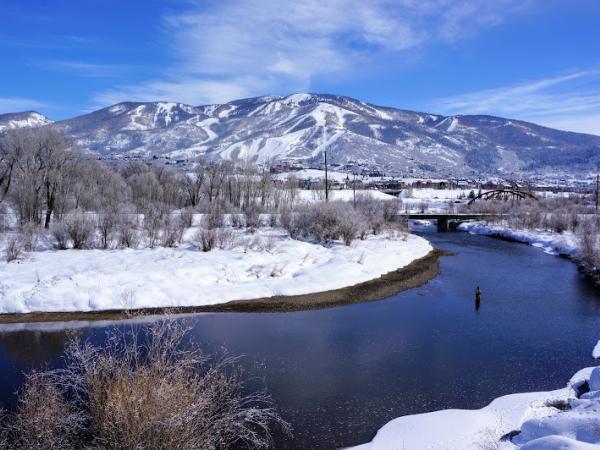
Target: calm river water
(340,374)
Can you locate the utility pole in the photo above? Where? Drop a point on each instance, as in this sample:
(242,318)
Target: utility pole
(325,153)
(326,180)
(354,190)
(597,193)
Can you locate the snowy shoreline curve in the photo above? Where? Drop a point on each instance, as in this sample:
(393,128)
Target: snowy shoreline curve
(551,242)
(116,280)
(567,418)
(563,244)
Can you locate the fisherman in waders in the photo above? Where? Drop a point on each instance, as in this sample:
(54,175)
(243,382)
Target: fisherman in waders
(477,298)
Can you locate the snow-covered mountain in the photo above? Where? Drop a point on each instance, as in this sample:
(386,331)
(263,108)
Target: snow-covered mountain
(302,126)
(23,119)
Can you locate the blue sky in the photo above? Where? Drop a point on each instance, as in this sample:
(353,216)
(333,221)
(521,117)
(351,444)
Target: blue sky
(536,60)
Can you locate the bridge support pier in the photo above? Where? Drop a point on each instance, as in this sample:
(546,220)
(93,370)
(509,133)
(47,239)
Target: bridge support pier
(442,224)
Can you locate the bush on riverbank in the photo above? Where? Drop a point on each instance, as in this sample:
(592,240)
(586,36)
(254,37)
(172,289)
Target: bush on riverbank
(551,214)
(143,389)
(325,222)
(573,214)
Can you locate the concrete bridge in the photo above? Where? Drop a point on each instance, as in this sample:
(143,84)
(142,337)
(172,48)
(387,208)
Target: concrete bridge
(444,220)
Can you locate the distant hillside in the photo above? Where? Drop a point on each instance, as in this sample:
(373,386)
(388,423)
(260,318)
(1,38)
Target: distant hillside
(302,126)
(23,119)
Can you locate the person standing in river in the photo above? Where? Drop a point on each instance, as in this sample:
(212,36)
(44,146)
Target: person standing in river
(477,298)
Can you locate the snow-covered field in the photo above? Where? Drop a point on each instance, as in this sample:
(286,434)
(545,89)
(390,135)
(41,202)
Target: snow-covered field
(346,195)
(263,264)
(551,242)
(436,200)
(536,419)
(314,174)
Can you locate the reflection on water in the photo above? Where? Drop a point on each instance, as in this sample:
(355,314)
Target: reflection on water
(340,374)
(26,349)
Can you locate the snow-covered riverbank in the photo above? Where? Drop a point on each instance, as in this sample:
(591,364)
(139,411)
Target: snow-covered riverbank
(567,419)
(551,242)
(264,264)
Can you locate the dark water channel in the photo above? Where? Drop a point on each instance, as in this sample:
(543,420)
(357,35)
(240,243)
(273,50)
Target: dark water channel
(340,374)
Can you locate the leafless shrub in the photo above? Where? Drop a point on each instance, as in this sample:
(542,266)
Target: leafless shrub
(589,243)
(173,230)
(554,213)
(13,249)
(61,235)
(245,243)
(325,222)
(237,221)
(80,229)
(224,238)
(154,219)
(187,217)
(205,239)
(558,222)
(256,243)
(128,235)
(350,226)
(293,223)
(391,209)
(43,419)
(318,193)
(252,217)
(142,390)
(531,218)
(269,243)
(273,220)
(573,220)
(373,212)
(400,225)
(29,236)
(212,220)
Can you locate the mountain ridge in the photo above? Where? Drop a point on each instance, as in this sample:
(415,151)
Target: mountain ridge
(23,119)
(301,126)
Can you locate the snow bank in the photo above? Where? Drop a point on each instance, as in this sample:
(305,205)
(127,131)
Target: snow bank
(437,194)
(551,242)
(532,419)
(265,264)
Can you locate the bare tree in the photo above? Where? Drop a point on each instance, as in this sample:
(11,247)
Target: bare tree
(146,189)
(13,248)
(11,147)
(291,189)
(193,183)
(35,163)
(56,164)
(28,181)
(214,180)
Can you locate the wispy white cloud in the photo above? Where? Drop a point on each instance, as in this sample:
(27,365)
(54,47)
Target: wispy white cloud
(86,69)
(570,102)
(12,104)
(238,48)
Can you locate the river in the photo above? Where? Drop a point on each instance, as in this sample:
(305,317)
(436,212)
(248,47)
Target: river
(340,374)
